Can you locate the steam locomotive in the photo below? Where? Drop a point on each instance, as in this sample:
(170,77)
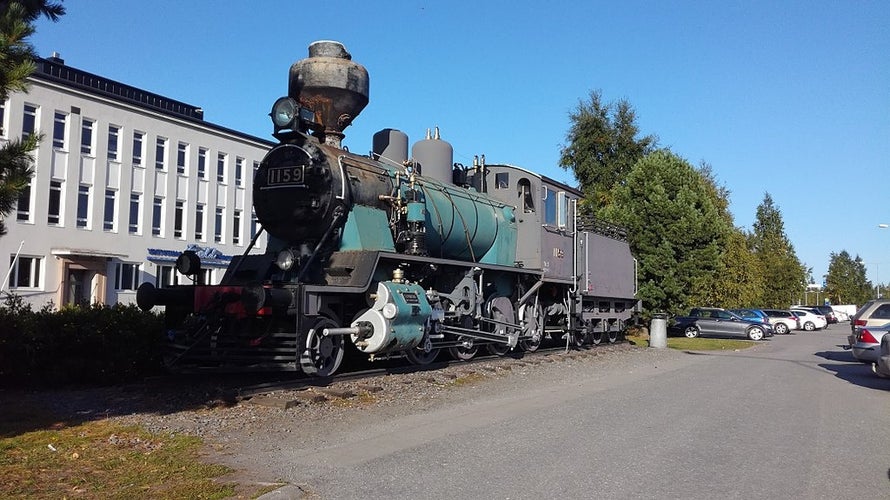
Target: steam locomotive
(389,255)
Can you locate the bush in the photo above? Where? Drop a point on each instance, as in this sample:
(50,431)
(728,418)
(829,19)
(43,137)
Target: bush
(94,345)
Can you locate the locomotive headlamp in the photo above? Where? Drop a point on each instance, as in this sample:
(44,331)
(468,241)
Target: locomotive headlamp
(284,111)
(285,259)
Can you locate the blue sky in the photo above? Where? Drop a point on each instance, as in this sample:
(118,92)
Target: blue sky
(790,98)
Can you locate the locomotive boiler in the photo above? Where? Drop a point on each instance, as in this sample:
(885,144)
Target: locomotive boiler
(393,254)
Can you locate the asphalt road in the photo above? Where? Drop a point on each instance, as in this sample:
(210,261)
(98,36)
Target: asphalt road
(794,417)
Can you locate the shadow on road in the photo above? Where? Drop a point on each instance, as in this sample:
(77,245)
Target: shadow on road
(853,371)
(29,410)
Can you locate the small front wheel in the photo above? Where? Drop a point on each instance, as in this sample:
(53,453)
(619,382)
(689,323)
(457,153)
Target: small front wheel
(755,333)
(780,328)
(691,332)
(809,326)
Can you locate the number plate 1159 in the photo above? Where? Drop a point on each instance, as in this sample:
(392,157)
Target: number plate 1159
(285,175)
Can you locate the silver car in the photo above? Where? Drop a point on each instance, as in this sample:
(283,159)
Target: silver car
(882,366)
(783,321)
(866,342)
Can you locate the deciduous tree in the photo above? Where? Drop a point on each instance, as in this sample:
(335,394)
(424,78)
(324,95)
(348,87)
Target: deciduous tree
(846,282)
(738,281)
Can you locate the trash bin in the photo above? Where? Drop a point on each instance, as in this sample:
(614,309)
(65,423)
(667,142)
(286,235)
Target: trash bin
(658,331)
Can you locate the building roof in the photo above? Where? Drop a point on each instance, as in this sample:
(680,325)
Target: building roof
(55,70)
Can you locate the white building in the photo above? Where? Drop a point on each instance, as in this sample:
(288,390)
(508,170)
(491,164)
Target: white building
(124,181)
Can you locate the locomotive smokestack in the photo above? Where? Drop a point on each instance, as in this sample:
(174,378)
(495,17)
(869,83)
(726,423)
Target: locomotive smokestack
(332,86)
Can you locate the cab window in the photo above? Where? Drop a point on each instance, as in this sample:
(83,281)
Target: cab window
(549,206)
(525,194)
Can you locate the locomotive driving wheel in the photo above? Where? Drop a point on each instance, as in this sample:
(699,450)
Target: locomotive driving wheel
(531,317)
(501,309)
(321,355)
(422,354)
(465,350)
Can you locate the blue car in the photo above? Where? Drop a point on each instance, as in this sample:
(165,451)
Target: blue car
(756,315)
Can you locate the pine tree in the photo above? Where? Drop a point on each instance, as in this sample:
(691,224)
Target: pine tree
(784,275)
(602,148)
(16,65)
(675,231)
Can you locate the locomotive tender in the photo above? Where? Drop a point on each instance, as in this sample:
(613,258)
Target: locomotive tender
(394,255)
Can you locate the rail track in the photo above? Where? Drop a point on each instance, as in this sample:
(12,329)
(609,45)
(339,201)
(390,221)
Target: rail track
(397,366)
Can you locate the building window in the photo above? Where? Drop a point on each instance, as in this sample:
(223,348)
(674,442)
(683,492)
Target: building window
(60,126)
(109,218)
(161,154)
(83,205)
(254,224)
(2,119)
(239,166)
(29,121)
(221,168)
(138,152)
(55,202)
(218,232)
(202,163)
(86,136)
(135,199)
(23,209)
(181,154)
(207,276)
(177,219)
(236,228)
(167,276)
(199,221)
(25,272)
(157,215)
(126,276)
(113,132)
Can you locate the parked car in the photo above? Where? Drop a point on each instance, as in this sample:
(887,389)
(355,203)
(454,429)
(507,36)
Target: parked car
(873,313)
(783,321)
(716,322)
(882,366)
(809,320)
(841,315)
(828,312)
(755,315)
(866,342)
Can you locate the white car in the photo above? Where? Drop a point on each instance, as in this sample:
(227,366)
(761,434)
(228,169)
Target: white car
(810,321)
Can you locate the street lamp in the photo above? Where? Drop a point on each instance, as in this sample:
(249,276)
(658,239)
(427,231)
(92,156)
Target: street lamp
(877,276)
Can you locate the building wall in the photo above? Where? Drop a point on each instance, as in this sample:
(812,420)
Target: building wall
(98,264)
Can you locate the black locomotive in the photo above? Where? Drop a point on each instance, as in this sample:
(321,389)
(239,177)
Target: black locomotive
(394,255)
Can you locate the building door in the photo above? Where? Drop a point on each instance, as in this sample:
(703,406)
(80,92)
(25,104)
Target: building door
(78,287)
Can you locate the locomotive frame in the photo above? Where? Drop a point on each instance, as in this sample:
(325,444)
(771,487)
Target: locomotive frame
(386,255)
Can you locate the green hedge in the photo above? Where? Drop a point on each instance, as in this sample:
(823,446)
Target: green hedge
(79,345)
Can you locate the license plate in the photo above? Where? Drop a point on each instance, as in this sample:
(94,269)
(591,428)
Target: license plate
(281,176)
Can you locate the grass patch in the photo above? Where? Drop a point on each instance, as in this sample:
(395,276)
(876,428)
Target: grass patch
(696,344)
(468,379)
(102,459)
